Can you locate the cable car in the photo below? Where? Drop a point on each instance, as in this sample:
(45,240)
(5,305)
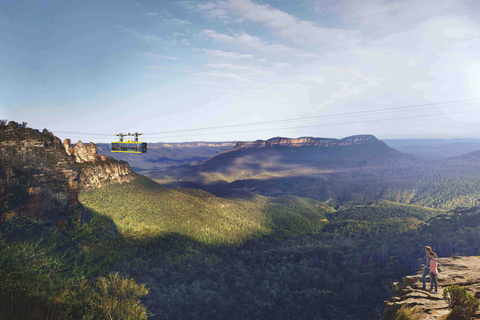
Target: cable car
(128,146)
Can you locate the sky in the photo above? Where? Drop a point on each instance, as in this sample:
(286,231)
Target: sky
(89,69)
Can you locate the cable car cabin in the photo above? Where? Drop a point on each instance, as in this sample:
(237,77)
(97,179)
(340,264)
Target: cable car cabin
(129,147)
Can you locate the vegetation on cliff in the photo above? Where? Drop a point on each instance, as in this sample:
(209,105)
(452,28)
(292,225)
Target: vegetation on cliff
(46,273)
(463,304)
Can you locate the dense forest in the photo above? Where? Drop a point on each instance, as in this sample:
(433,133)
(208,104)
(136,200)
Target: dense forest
(332,274)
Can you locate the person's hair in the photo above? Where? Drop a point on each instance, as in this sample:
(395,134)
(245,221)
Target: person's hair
(429,249)
(433,254)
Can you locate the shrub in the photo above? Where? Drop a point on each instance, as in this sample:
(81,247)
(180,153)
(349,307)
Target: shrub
(115,297)
(408,313)
(463,305)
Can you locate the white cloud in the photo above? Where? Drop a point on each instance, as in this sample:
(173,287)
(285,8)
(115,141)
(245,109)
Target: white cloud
(183,42)
(245,40)
(144,37)
(226,54)
(178,22)
(247,69)
(156,68)
(227,66)
(287,25)
(218,9)
(380,17)
(159,56)
(232,76)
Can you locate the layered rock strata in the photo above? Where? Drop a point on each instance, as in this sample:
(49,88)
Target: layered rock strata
(462,271)
(309,141)
(97,170)
(41,177)
(37,178)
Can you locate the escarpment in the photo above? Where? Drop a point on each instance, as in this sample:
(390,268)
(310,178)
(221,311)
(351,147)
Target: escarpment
(462,271)
(310,141)
(40,176)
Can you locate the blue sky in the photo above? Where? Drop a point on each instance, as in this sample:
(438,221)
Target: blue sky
(161,66)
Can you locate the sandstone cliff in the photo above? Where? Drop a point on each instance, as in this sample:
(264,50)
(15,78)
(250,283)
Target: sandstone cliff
(97,170)
(462,271)
(309,141)
(37,178)
(41,177)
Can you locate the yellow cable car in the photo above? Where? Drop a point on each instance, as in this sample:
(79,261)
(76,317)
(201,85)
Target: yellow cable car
(128,146)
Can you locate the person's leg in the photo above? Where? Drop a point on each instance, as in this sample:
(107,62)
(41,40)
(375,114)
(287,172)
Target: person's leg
(424,275)
(433,279)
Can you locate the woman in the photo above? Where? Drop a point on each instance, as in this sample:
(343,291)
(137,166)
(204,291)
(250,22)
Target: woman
(426,269)
(433,270)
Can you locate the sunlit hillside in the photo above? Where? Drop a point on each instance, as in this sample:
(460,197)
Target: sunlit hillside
(144,208)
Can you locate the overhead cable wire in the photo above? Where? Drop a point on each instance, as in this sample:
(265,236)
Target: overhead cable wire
(326,125)
(420,106)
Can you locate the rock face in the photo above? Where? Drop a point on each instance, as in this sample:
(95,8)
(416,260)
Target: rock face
(41,177)
(104,172)
(97,170)
(309,141)
(462,271)
(37,178)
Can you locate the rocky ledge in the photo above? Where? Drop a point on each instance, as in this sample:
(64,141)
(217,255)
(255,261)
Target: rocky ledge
(462,271)
(310,141)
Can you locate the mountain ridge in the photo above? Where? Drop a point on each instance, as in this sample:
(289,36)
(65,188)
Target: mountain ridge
(308,141)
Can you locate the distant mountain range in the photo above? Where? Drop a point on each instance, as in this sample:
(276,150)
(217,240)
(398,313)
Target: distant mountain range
(434,149)
(163,155)
(346,171)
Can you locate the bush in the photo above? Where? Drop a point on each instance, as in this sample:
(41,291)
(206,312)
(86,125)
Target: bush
(407,313)
(463,305)
(115,297)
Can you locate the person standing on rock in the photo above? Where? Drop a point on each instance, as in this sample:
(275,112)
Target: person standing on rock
(433,270)
(426,269)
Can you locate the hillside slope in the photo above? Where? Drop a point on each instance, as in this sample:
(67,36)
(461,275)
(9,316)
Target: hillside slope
(145,209)
(344,172)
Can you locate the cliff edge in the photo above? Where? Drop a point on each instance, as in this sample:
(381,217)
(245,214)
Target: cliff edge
(40,176)
(310,141)
(462,271)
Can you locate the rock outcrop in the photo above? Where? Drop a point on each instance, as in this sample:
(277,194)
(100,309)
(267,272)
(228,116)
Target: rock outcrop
(97,170)
(41,177)
(309,141)
(37,178)
(462,271)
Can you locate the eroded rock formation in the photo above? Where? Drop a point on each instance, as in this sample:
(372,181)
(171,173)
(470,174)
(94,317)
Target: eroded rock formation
(41,177)
(37,178)
(97,170)
(462,271)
